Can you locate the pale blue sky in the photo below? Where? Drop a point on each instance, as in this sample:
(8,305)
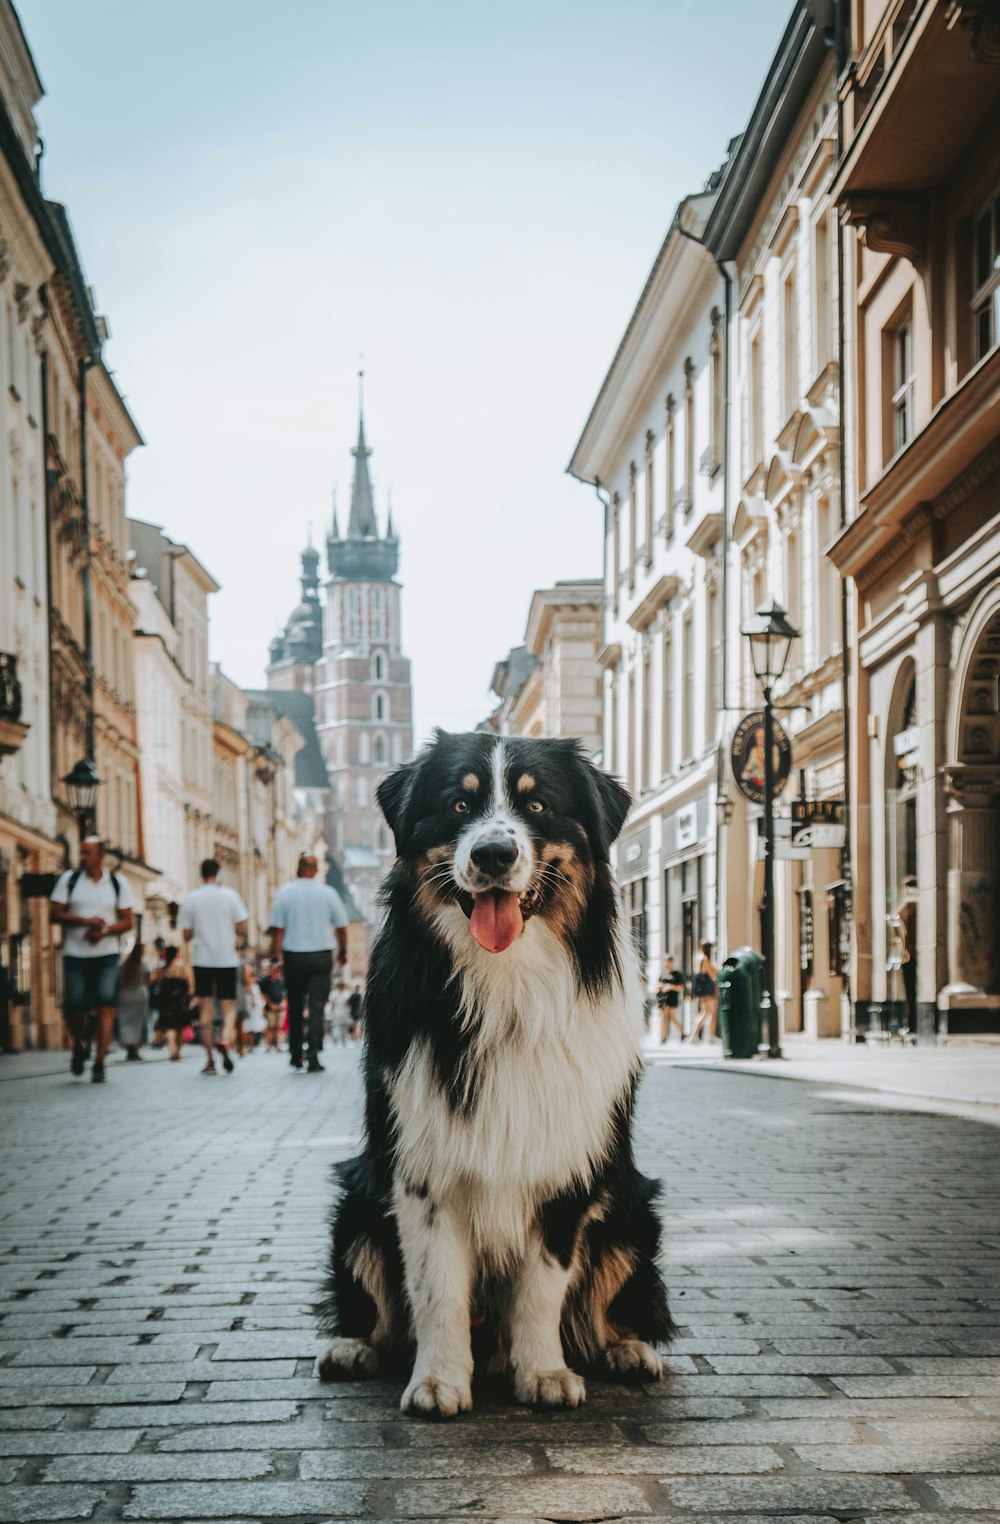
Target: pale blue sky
(470,194)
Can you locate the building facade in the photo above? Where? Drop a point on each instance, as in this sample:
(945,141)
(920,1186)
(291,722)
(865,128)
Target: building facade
(551,685)
(170,589)
(653,448)
(920,191)
(28,848)
(773,230)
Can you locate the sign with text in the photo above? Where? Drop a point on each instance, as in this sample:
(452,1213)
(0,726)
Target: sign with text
(818,823)
(746,753)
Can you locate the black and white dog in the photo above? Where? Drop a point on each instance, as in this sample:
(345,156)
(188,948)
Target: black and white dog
(496,1202)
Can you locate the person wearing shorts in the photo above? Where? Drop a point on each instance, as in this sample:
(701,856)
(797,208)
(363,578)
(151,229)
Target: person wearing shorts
(214,919)
(93,907)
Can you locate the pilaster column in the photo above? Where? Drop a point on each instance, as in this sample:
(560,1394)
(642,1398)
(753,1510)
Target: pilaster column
(973,880)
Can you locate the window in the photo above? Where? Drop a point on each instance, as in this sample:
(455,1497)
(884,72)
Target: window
(828,583)
(646,738)
(823,286)
(364,748)
(613,741)
(713,690)
(380,749)
(630,733)
(650,500)
(378,667)
(789,346)
(793,579)
(351,630)
(986,279)
(632,525)
(378,614)
(668,517)
(667,717)
(687,678)
(616,515)
(380,707)
(383,839)
(755,403)
(688,434)
(717,420)
(902,385)
(361,795)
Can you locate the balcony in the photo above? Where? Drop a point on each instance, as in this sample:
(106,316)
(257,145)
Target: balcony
(12,732)
(683,500)
(711,463)
(897,147)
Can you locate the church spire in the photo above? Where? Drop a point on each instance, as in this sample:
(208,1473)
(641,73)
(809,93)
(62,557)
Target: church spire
(362,524)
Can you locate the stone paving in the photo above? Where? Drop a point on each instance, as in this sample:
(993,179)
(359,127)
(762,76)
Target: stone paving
(833,1265)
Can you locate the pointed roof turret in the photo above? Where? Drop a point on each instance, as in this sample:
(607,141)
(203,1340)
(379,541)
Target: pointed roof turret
(362,525)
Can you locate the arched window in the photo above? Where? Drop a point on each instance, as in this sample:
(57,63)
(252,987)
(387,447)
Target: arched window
(380,707)
(380,748)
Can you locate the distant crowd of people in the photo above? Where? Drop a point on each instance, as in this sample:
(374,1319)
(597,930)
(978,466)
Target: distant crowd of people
(702,986)
(203,988)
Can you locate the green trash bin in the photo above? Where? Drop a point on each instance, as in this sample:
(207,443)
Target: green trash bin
(741,989)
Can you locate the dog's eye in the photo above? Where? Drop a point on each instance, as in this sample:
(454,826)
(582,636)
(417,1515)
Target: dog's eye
(536,807)
(461,806)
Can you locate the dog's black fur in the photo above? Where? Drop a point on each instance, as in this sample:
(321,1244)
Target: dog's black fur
(431,1018)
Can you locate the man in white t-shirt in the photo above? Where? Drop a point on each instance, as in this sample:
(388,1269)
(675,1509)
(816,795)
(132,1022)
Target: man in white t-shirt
(93,907)
(214,920)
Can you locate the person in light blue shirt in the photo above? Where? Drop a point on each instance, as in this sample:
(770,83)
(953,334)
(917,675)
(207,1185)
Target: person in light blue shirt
(307,923)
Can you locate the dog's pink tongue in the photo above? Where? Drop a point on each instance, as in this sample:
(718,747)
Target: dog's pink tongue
(496,919)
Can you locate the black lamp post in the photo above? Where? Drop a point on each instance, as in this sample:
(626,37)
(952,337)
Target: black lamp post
(82,785)
(770,636)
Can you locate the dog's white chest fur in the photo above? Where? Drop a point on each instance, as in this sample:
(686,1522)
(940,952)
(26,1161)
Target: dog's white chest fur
(547,1065)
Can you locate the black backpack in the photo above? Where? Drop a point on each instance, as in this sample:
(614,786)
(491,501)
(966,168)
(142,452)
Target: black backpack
(74,879)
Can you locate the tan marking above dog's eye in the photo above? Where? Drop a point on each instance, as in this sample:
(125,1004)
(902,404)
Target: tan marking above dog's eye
(536,807)
(461,806)
(470,783)
(525,784)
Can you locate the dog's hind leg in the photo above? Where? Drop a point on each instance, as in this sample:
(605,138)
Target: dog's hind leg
(363,1305)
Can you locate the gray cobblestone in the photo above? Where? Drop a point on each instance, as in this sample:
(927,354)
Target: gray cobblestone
(837,1353)
(156,1468)
(257,1500)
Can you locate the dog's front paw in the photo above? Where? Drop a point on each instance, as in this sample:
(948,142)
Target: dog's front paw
(549,1389)
(347,1360)
(633,1360)
(437,1398)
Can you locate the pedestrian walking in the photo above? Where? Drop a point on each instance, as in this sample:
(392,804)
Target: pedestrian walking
(307,922)
(213,919)
(272,989)
(705,988)
(174,988)
(249,1012)
(668,998)
(94,907)
(133,1003)
(357,1004)
(340,1015)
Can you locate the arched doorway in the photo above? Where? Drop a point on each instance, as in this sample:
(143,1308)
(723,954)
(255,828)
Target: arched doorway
(972,781)
(901,881)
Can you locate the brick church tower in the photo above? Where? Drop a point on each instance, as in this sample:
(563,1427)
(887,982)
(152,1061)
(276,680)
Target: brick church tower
(362,685)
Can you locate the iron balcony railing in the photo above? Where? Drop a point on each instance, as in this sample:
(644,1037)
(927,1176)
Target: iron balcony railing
(10,688)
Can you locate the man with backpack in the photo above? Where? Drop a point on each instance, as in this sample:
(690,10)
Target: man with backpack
(94,907)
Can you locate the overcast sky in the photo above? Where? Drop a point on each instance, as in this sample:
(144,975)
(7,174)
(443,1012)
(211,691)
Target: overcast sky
(469,194)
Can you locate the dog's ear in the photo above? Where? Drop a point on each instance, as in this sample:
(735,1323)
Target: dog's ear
(393,795)
(612,803)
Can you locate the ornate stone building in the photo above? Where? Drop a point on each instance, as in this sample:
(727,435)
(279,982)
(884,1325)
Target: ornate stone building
(348,654)
(920,189)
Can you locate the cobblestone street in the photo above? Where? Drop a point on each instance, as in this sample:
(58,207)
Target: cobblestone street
(833,1264)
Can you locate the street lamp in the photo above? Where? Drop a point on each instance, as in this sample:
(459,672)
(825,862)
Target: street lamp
(770,636)
(82,785)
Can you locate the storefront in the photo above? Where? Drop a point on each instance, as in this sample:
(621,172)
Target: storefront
(688,911)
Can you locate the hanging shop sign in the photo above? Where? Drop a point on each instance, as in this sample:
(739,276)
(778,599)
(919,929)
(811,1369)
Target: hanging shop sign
(747,756)
(818,823)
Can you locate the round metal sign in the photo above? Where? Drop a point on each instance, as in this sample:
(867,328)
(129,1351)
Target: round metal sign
(747,756)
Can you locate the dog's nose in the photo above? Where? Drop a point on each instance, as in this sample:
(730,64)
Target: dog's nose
(495,856)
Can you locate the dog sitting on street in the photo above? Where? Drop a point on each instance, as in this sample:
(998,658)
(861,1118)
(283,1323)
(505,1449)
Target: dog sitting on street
(496,1217)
